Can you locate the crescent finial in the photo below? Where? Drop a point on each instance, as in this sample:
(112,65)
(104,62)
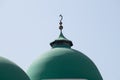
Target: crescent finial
(61,27)
(61,17)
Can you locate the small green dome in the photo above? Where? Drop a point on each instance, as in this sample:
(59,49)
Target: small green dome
(10,71)
(62,62)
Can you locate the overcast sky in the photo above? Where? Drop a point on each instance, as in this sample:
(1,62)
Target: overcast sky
(28,26)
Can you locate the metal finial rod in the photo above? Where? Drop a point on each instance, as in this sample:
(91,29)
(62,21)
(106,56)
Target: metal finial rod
(61,27)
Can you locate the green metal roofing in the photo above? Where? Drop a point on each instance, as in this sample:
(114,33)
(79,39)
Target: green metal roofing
(61,42)
(62,62)
(10,71)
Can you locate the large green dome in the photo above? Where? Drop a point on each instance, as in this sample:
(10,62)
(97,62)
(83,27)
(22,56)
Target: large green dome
(10,71)
(62,62)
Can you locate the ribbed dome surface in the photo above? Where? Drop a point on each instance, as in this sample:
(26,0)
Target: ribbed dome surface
(10,71)
(63,63)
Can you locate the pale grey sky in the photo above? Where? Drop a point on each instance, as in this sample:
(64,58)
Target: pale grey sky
(28,26)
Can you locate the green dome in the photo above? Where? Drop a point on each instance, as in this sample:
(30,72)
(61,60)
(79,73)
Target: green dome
(10,71)
(62,62)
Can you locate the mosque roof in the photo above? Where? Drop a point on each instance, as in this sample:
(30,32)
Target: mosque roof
(10,71)
(63,62)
